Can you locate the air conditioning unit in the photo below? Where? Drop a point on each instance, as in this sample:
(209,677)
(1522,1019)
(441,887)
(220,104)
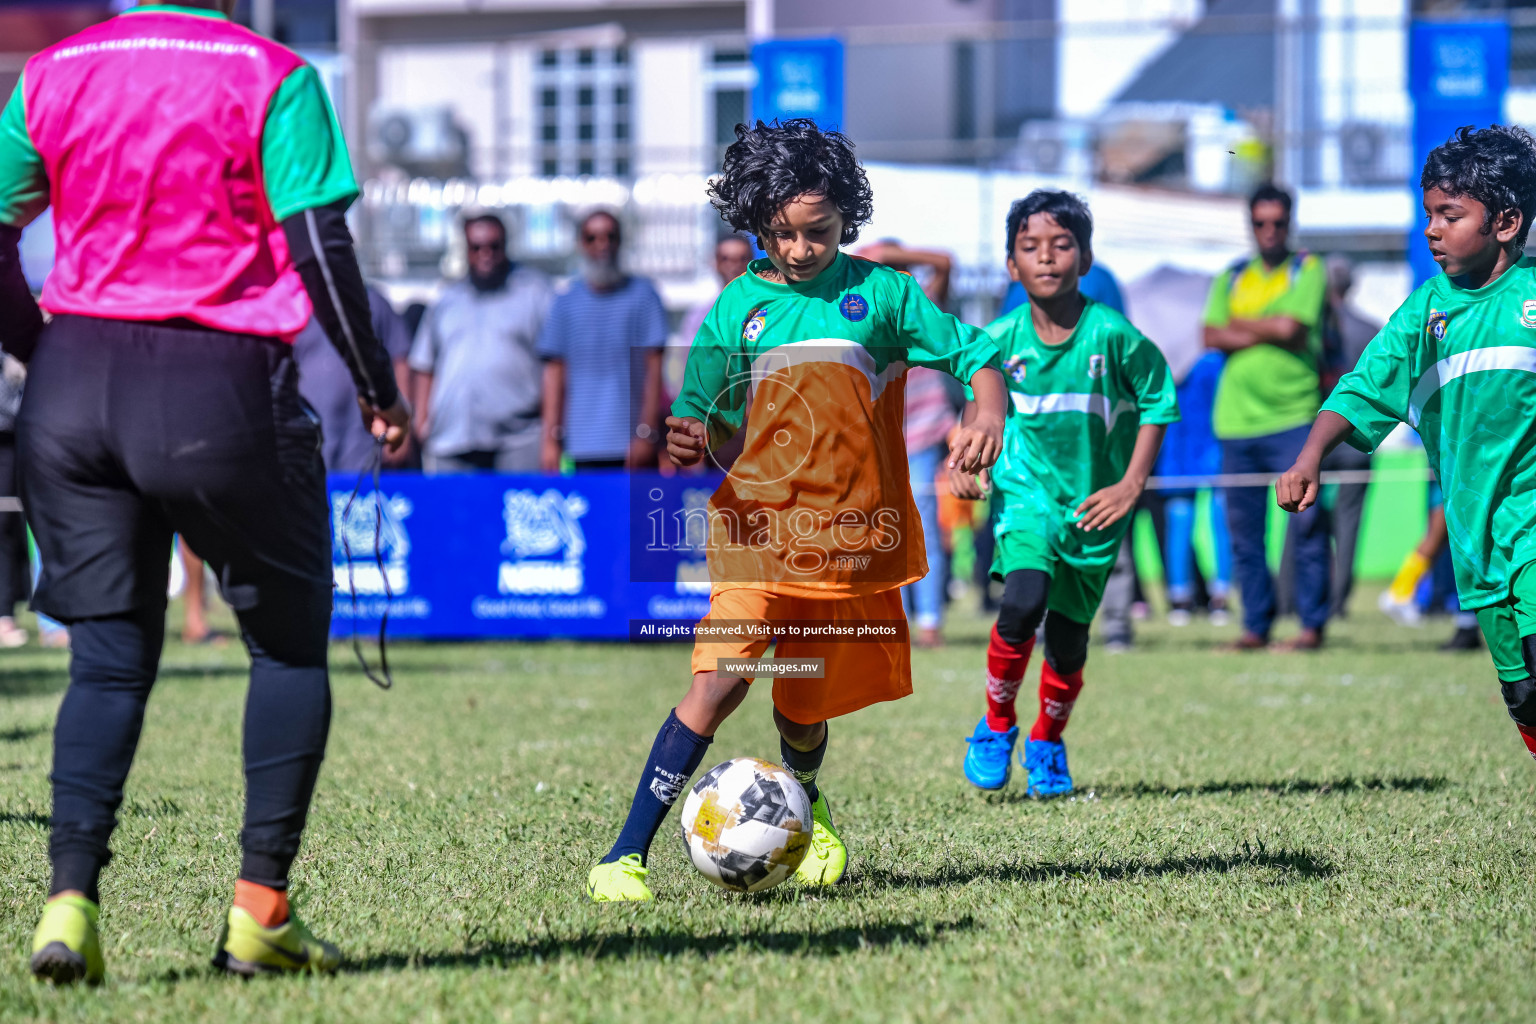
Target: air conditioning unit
(425,143)
(1055,148)
(1363,155)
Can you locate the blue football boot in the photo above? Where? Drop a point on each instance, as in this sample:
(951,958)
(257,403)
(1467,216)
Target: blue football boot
(989,758)
(1046,762)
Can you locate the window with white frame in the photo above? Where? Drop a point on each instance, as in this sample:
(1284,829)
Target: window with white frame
(582,97)
(729,81)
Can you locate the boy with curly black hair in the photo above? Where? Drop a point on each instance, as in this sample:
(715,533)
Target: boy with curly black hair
(1457,362)
(813,532)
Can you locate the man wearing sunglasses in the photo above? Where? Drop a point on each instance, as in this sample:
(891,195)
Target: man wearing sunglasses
(1266,313)
(478,390)
(602,348)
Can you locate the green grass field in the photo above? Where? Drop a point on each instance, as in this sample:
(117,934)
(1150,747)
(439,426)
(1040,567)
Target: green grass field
(1344,836)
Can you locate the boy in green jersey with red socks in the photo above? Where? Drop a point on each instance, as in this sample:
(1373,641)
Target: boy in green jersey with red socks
(1457,362)
(1091,399)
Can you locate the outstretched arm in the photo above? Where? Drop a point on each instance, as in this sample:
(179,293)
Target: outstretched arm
(1296,490)
(979,441)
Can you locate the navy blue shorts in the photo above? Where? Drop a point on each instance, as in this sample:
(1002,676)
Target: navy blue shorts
(132,432)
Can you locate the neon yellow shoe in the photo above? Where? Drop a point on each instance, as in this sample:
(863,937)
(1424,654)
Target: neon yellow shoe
(245,947)
(620,881)
(66,947)
(827,859)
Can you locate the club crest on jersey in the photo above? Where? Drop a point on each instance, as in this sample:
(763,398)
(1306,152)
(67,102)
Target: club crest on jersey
(1437,322)
(754,326)
(1528,313)
(1096,367)
(854,307)
(1015,367)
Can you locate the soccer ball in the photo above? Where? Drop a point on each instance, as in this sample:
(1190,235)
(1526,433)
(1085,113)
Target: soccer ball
(747,824)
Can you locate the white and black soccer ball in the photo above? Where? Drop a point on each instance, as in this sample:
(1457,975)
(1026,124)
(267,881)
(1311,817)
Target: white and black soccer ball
(747,824)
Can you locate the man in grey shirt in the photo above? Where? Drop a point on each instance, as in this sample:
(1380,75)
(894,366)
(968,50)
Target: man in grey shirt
(479,394)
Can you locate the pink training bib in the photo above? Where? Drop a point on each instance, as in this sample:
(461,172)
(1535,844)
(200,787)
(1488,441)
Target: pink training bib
(149,126)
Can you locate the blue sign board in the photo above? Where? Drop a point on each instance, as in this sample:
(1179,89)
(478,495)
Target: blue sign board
(1458,73)
(799,78)
(519,556)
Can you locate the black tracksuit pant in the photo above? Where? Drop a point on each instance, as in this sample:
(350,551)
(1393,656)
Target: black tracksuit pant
(128,434)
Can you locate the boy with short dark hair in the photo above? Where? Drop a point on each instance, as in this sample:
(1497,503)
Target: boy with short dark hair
(815,521)
(1091,400)
(1457,362)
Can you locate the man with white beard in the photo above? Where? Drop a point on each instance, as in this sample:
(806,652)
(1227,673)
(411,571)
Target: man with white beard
(602,346)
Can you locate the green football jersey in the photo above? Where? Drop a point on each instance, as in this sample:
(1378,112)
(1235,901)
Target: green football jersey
(1459,366)
(1076,409)
(819,499)
(872,315)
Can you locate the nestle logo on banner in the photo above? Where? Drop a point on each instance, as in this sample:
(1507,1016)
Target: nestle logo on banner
(357,533)
(693,574)
(545,542)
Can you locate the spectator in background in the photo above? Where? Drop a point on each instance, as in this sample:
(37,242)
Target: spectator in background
(930,415)
(1345,335)
(326,384)
(15,574)
(478,388)
(602,347)
(733,254)
(1266,314)
(413,316)
(1192,451)
(194,596)
(1166,306)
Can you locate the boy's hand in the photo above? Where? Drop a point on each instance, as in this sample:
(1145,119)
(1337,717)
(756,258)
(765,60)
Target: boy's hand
(1296,490)
(976,445)
(687,440)
(969,486)
(1108,505)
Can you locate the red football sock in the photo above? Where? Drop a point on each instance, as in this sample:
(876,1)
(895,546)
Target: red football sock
(1057,695)
(267,905)
(1528,733)
(1005,671)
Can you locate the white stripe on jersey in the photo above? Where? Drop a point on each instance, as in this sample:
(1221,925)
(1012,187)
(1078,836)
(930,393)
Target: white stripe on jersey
(825,350)
(1073,401)
(1477,360)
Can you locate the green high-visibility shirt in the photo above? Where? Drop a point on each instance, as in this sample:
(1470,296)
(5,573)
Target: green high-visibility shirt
(1459,366)
(1267,389)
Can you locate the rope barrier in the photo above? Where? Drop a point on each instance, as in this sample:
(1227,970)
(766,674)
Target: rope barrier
(1336,476)
(1181,483)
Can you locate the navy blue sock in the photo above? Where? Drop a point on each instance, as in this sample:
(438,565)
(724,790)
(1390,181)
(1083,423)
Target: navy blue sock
(675,756)
(805,765)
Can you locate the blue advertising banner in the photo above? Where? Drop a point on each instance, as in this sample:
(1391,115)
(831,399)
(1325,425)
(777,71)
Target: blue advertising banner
(799,78)
(519,556)
(1458,73)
